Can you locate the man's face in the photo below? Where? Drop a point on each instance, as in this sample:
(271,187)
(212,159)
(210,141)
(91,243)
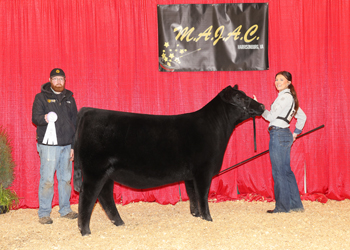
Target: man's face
(57,83)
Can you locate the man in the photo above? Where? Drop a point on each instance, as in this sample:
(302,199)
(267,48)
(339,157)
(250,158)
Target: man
(54,114)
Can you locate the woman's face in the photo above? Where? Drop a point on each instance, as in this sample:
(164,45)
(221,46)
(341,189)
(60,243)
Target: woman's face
(281,83)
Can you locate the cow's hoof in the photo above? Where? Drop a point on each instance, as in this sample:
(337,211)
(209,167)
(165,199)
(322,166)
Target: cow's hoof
(196,214)
(85,232)
(118,223)
(207,218)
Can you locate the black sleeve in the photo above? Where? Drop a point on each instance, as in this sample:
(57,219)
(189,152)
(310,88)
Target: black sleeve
(74,118)
(38,112)
(74,112)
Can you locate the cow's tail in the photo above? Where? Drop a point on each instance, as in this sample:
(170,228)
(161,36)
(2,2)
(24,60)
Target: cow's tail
(77,177)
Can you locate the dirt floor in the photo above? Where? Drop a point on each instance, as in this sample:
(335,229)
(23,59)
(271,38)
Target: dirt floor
(236,225)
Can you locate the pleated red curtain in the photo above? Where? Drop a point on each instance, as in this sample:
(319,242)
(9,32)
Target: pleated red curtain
(108,50)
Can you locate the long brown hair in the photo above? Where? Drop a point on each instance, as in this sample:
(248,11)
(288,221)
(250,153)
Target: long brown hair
(288,76)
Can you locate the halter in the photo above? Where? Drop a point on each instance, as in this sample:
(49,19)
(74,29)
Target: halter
(245,110)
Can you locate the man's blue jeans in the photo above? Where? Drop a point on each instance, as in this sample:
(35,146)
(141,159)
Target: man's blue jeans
(54,159)
(286,189)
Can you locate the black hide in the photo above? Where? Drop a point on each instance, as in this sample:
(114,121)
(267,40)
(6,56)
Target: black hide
(146,151)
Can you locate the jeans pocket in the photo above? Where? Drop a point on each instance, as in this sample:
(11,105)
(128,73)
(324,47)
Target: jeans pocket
(285,140)
(51,154)
(46,153)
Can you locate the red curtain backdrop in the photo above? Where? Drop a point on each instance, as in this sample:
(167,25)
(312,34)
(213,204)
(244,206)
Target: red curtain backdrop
(109,51)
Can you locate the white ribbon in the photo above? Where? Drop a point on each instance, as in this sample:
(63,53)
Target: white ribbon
(50,134)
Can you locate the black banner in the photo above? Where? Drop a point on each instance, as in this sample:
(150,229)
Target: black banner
(213,37)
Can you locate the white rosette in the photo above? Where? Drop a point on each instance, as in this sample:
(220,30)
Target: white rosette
(50,134)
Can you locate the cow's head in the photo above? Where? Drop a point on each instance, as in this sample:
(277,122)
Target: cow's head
(248,106)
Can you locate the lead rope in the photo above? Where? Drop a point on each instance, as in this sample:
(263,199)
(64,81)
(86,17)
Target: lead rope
(254,133)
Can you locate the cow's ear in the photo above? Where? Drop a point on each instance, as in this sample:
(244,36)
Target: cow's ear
(236,86)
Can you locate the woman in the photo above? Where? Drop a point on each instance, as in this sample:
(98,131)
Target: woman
(283,109)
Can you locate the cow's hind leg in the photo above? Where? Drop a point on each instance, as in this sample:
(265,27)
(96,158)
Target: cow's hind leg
(108,204)
(193,198)
(202,185)
(87,199)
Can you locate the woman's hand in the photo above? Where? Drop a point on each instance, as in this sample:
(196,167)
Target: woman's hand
(294,136)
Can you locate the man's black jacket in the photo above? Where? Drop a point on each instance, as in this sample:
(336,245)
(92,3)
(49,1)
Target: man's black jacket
(64,106)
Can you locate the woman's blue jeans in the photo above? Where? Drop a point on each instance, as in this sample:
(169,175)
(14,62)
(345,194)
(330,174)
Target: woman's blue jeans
(286,189)
(54,159)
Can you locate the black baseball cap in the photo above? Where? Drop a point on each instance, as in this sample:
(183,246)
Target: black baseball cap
(57,72)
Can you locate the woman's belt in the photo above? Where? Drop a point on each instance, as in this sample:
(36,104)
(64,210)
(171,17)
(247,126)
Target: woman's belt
(273,127)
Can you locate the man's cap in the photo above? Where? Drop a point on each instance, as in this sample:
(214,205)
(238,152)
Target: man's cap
(57,72)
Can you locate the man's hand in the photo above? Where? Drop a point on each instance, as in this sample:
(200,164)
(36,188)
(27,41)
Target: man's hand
(71,155)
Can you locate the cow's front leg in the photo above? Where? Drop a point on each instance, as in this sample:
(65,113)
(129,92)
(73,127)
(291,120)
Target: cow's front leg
(202,186)
(193,198)
(108,204)
(87,199)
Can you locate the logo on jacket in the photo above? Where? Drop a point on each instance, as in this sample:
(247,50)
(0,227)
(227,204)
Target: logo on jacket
(51,100)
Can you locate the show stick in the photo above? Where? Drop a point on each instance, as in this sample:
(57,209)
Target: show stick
(258,155)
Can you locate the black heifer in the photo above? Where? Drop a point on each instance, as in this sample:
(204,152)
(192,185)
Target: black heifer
(146,151)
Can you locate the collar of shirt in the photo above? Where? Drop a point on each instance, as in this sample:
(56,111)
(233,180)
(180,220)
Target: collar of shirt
(287,90)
